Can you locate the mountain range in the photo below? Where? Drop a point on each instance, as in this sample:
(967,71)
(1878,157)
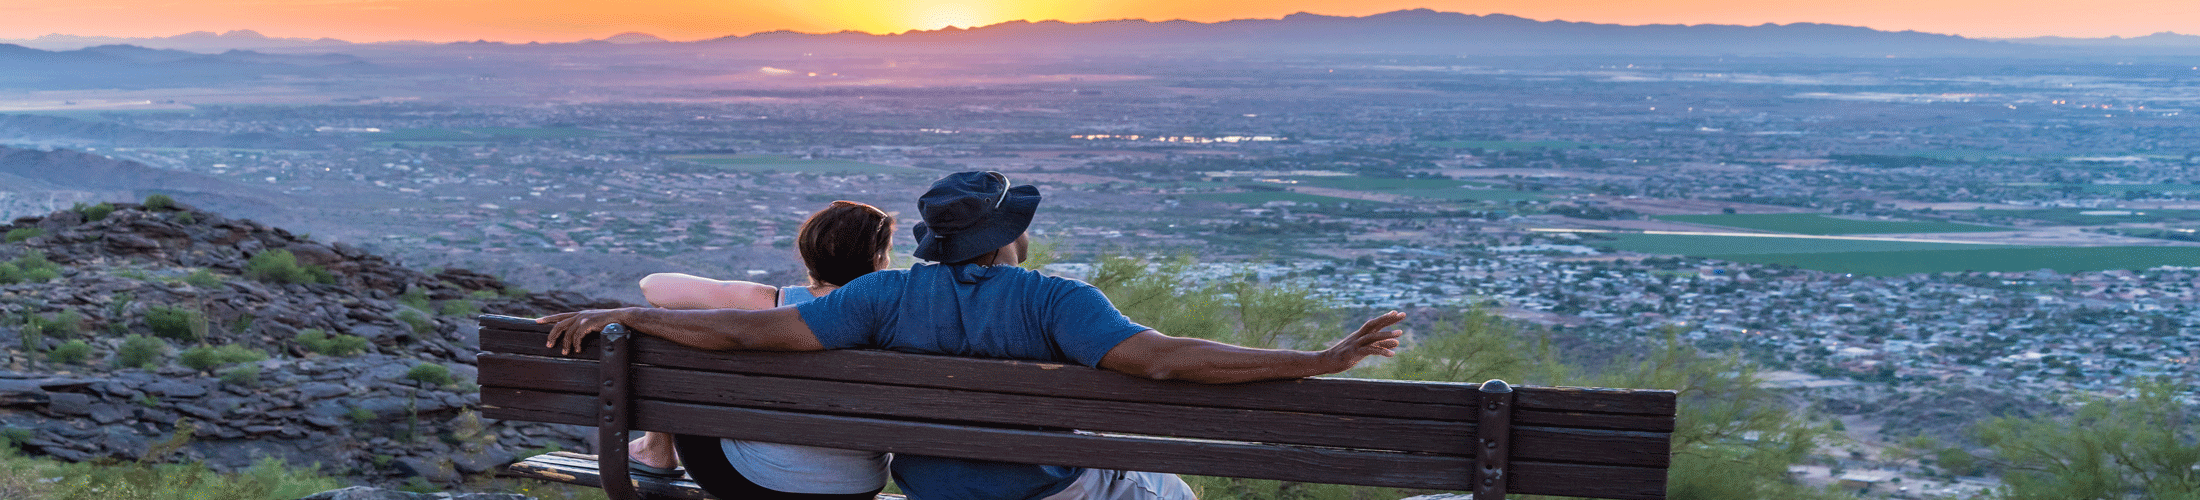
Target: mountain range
(1417,31)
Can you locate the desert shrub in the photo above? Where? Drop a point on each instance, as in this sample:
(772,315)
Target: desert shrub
(72,352)
(31,267)
(17,235)
(460,308)
(281,266)
(67,324)
(9,437)
(186,218)
(429,374)
(159,202)
(139,351)
(421,325)
(360,415)
(203,279)
(415,297)
(244,375)
(207,357)
(97,212)
(176,322)
(320,342)
(483,295)
(269,478)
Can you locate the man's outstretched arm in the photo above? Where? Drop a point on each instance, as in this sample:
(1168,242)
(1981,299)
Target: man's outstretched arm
(1161,357)
(778,329)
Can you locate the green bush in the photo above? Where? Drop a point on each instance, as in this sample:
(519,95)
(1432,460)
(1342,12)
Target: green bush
(421,325)
(67,324)
(415,297)
(72,352)
(17,235)
(461,308)
(139,351)
(32,267)
(244,375)
(186,218)
(203,279)
(176,322)
(159,202)
(11,436)
(270,478)
(203,358)
(360,415)
(320,342)
(483,295)
(97,212)
(430,374)
(281,266)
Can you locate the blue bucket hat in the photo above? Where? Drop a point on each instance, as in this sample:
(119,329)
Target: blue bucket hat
(967,214)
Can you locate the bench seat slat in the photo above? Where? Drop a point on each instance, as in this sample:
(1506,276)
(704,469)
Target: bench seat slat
(581,470)
(1383,398)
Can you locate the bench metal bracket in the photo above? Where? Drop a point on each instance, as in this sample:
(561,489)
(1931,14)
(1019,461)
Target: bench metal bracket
(613,415)
(1493,456)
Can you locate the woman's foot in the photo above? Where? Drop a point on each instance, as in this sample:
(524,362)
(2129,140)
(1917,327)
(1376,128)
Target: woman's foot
(653,450)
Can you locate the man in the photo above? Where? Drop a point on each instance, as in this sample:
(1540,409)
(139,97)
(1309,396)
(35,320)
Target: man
(980,304)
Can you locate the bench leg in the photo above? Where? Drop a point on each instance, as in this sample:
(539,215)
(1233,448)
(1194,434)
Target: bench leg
(1495,428)
(613,418)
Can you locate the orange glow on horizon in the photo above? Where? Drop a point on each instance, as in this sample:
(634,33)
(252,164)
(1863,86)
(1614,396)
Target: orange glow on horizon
(571,20)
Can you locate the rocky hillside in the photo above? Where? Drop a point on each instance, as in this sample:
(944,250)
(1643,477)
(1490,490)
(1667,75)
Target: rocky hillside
(127,326)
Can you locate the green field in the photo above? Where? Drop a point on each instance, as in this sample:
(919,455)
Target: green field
(1259,197)
(2061,259)
(2077,216)
(1681,244)
(480,134)
(2121,188)
(1510,145)
(773,163)
(1818,224)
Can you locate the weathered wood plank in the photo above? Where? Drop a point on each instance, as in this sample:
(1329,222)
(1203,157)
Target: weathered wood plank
(847,398)
(1617,448)
(1419,400)
(1159,455)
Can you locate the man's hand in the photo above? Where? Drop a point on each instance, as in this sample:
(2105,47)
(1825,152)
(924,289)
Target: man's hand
(1369,340)
(573,327)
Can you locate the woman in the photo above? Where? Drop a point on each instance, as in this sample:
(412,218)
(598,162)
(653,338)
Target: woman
(837,244)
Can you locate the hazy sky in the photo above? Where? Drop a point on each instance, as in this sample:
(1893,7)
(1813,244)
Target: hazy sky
(569,20)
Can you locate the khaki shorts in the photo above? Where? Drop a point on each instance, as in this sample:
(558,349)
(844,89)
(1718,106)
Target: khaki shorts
(1098,484)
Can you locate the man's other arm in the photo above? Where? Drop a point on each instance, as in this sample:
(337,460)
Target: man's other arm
(777,329)
(1161,357)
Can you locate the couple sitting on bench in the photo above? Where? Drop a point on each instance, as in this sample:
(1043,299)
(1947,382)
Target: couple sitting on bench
(976,303)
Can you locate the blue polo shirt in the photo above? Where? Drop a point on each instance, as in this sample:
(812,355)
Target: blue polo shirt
(1002,312)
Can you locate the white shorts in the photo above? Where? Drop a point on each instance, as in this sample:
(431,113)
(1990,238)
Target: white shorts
(1099,484)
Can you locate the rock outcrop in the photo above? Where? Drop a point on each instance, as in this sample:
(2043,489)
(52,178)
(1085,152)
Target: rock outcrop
(368,410)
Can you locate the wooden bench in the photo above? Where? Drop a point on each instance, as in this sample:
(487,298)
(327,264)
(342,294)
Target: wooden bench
(1489,438)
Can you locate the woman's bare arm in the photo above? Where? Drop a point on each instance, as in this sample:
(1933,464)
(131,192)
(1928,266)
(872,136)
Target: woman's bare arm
(686,291)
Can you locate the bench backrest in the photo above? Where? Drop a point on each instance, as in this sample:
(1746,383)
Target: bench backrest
(1584,442)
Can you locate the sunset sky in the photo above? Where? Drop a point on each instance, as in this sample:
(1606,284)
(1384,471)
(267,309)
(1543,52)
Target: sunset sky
(569,20)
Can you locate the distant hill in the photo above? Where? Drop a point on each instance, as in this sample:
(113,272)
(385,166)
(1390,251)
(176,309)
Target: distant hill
(130,66)
(197,40)
(1418,31)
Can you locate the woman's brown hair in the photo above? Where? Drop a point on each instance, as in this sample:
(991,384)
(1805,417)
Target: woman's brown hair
(844,241)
